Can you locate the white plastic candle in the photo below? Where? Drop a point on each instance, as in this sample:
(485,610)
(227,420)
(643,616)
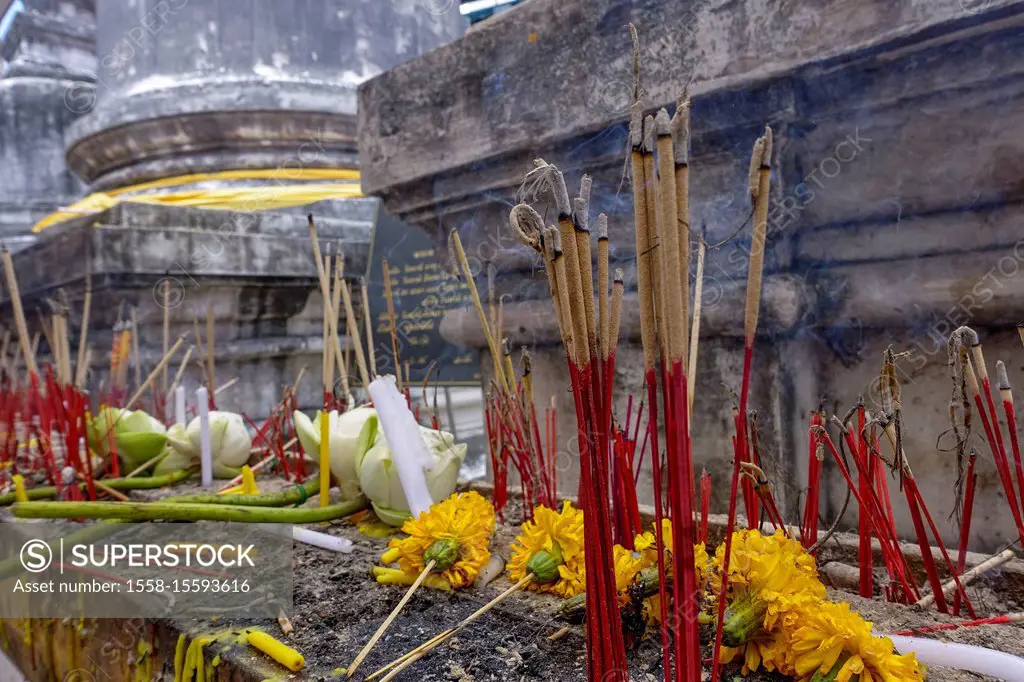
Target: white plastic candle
(205,450)
(321,540)
(408,450)
(179,405)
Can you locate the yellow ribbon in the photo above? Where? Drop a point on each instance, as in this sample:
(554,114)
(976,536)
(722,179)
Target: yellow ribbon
(342,184)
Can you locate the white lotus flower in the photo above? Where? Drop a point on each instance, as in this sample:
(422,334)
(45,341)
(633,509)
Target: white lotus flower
(378,475)
(344,436)
(230,443)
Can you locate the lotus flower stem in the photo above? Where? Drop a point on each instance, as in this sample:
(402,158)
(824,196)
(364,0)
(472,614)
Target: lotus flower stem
(166,480)
(165,511)
(391,618)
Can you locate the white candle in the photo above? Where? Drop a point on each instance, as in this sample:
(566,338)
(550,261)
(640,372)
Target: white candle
(179,405)
(409,452)
(321,540)
(205,451)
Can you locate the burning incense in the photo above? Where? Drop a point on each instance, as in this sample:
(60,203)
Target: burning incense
(136,362)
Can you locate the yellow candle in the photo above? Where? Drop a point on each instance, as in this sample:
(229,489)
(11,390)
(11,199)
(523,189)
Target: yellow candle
(19,488)
(248,481)
(283,654)
(325,457)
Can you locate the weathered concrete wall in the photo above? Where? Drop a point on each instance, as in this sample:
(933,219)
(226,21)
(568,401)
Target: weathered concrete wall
(896,189)
(49,55)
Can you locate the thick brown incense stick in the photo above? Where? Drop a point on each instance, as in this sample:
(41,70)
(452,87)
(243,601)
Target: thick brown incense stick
(156,371)
(391,618)
(648,331)
(1020,331)
(681,153)
(618,289)
(675,310)
(581,222)
(389,297)
(758,186)
(19,313)
(654,244)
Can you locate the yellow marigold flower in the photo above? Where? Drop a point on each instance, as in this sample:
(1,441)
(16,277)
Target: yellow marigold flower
(771,578)
(627,565)
(559,536)
(831,640)
(646,544)
(455,533)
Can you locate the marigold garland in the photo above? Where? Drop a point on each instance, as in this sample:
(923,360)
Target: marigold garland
(547,528)
(466,518)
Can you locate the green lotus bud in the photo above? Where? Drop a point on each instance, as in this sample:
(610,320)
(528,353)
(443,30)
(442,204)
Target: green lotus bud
(137,436)
(744,618)
(544,565)
(444,553)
